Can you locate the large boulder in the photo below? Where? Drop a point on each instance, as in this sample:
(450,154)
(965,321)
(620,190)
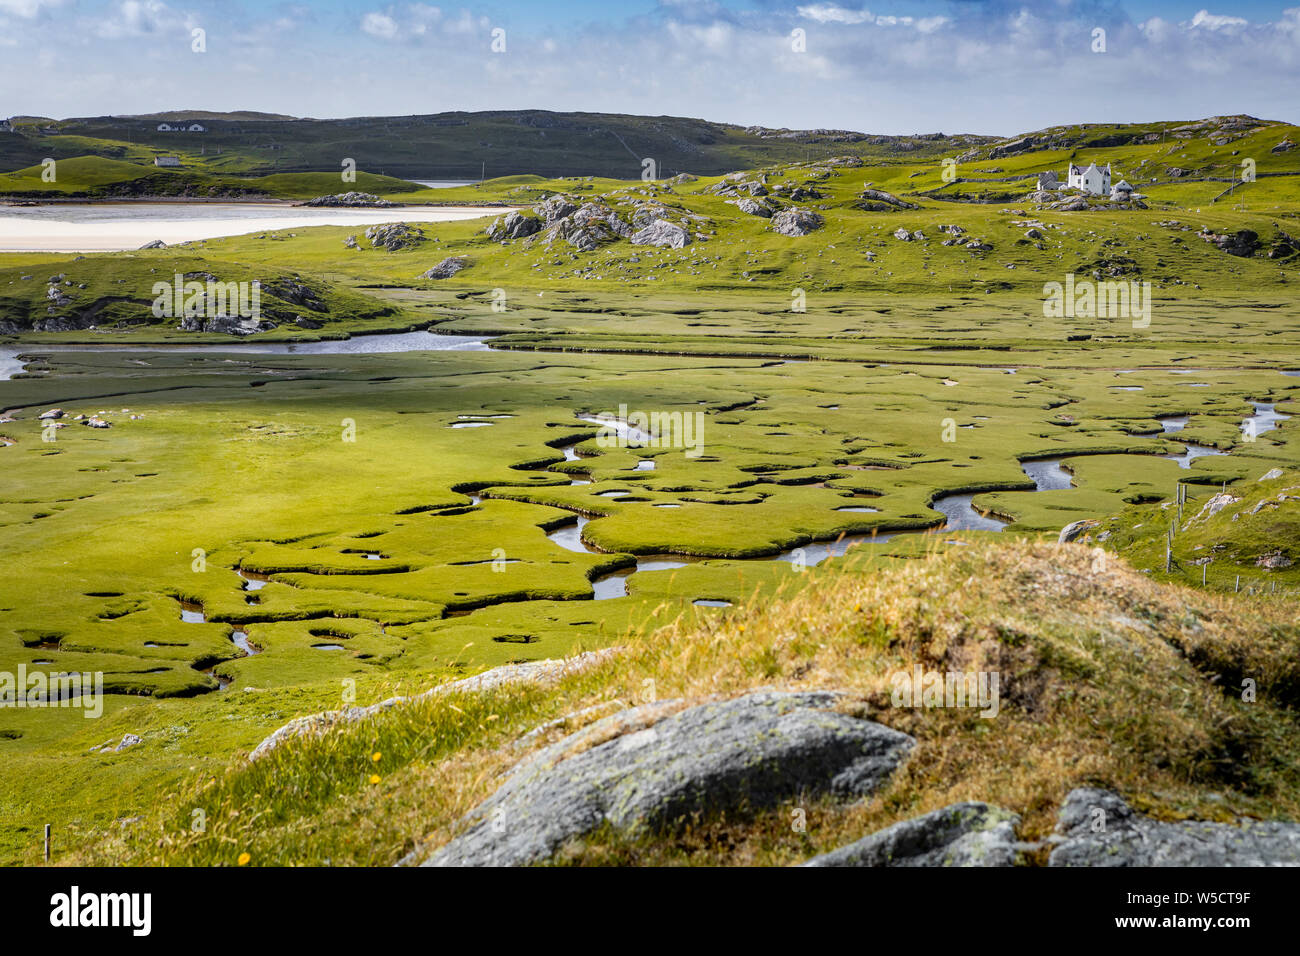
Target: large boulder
(446,268)
(513,225)
(663,233)
(963,834)
(752,207)
(796,222)
(877,200)
(1097,828)
(655,766)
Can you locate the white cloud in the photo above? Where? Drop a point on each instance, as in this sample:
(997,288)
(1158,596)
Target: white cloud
(830,13)
(27,9)
(1212,22)
(379,25)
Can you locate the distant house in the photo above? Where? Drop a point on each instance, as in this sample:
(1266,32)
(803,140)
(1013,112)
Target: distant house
(5,127)
(166,161)
(1090,180)
(1121,190)
(182,128)
(1048,181)
(166,128)
(196,128)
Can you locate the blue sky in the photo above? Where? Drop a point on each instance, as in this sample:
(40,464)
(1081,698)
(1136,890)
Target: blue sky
(889,66)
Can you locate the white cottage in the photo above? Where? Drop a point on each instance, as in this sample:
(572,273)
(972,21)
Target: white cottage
(1121,190)
(1091,180)
(166,128)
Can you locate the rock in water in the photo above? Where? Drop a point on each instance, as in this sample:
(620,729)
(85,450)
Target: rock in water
(661,232)
(653,766)
(1097,828)
(446,268)
(963,834)
(796,222)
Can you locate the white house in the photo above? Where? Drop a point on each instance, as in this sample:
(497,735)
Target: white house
(1048,181)
(182,128)
(166,128)
(166,161)
(196,128)
(1090,180)
(1121,190)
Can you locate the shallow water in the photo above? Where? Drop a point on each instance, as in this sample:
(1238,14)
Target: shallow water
(124,226)
(1048,474)
(357,345)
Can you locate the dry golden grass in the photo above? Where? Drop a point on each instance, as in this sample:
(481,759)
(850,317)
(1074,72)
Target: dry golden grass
(1107,678)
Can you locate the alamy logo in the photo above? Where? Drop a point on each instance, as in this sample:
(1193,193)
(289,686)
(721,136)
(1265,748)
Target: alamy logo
(917,688)
(1086,299)
(39,689)
(210,299)
(652,430)
(73,909)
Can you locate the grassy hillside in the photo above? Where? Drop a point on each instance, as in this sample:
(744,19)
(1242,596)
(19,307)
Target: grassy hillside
(461,145)
(1110,680)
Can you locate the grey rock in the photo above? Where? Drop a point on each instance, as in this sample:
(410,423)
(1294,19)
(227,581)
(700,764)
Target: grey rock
(1097,828)
(513,225)
(368,200)
(796,222)
(156,244)
(753,207)
(446,268)
(877,200)
(963,834)
(128,740)
(50,414)
(394,236)
(1074,529)
(902,235)
(653,766)
(663,233)
(555,208)
(1270,474)
(543,672)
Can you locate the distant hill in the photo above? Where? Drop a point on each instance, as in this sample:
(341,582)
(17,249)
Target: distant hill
(461,145)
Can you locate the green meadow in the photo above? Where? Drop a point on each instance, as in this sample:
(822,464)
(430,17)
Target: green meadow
(260,536)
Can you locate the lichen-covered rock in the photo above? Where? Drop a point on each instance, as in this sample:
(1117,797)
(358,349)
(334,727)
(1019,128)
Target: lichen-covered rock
(654,766)
(1075,528)
(446,268)
(536,672)
(796,222)
(1097,828)
(963,834)
(663,233)
(555,208)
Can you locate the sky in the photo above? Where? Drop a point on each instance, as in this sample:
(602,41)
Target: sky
(886,66)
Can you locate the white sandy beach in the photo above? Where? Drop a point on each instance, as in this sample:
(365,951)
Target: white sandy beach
(112,227)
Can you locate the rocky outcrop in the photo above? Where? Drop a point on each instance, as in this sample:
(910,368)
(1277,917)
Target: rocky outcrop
(513,225)
(555,208)
(796,222)
(395,236)
(446,268)
(225,324)
(1242,243)
(368,200)
(963,834)
(543,672)
(156,244)
(662,233)
(1097,828)
(656,766)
